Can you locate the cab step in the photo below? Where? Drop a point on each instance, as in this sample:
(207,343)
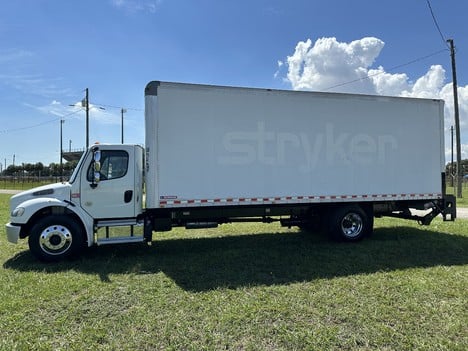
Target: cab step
(120,240)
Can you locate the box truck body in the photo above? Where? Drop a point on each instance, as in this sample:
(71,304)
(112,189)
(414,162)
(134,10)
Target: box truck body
(235,146)
(216,154)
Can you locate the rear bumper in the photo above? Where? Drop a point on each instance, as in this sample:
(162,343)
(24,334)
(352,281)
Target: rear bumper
(13,232)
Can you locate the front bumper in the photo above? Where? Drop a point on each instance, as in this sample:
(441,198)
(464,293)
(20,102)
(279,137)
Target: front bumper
(13,232)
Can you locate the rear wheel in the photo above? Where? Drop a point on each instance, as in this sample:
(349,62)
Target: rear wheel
(55,238)
(350,223)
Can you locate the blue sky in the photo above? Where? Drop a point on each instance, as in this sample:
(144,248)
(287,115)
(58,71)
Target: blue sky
(51,50)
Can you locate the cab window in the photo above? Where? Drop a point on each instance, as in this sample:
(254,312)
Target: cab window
(114,164)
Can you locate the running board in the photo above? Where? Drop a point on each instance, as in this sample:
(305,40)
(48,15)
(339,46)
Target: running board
(117,223)
(120,240)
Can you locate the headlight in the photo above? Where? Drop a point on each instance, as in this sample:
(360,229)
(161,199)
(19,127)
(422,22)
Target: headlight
(17,212)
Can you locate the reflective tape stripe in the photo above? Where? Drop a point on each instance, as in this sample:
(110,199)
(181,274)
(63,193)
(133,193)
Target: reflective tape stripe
(293,199)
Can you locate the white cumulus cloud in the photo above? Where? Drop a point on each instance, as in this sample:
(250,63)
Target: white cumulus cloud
(330,65)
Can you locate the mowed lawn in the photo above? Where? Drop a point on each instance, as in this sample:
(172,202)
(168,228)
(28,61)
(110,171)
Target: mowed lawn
(243,287)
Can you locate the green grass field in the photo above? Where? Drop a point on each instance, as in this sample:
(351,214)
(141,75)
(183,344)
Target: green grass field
(244,287)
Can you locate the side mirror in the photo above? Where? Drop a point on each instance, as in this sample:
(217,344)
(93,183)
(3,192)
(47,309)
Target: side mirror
(96,168)
(96,155)
(97,171)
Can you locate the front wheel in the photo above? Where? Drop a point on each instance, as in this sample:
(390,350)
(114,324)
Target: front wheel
(55,238)
(350,223)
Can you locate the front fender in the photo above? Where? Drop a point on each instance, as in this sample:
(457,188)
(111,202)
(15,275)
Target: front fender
(36,207)
(31,207)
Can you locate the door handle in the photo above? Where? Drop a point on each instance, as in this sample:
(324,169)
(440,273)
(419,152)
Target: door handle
(128,196)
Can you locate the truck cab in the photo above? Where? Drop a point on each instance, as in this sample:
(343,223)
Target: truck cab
(109,184)
(104,191)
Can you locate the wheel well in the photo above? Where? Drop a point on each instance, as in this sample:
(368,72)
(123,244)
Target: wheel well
(49,211)
(367,207)
(324,210)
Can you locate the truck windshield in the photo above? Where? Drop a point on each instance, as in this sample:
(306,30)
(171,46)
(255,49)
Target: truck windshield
(77,168)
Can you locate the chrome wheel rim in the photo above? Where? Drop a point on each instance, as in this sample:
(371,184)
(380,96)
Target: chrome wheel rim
(55,239)
(352,225)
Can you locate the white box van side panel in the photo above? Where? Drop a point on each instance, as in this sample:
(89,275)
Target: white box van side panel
(220,143)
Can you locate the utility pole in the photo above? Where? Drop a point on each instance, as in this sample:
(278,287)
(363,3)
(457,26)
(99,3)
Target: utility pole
(457,118)
(85,103)
(451,164)
(61,151)
(123,110)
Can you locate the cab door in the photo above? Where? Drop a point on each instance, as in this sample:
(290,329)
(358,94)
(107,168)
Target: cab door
(108,191)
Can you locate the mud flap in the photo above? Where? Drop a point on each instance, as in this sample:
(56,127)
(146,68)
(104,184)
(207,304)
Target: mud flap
(449,212)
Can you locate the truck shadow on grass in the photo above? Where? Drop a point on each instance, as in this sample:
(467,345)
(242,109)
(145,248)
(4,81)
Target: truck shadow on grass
(203,264)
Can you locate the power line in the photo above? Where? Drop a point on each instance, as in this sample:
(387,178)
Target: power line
(369,76)
(436,23)
(38,124)
(119,107)
(30,127)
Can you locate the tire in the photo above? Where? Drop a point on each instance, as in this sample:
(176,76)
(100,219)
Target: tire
(55,238)
(350,223)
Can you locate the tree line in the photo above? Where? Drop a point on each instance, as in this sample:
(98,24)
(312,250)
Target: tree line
(450,169)
(39,169)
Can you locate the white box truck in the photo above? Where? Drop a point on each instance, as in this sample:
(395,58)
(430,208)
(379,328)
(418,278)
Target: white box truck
(218,154)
